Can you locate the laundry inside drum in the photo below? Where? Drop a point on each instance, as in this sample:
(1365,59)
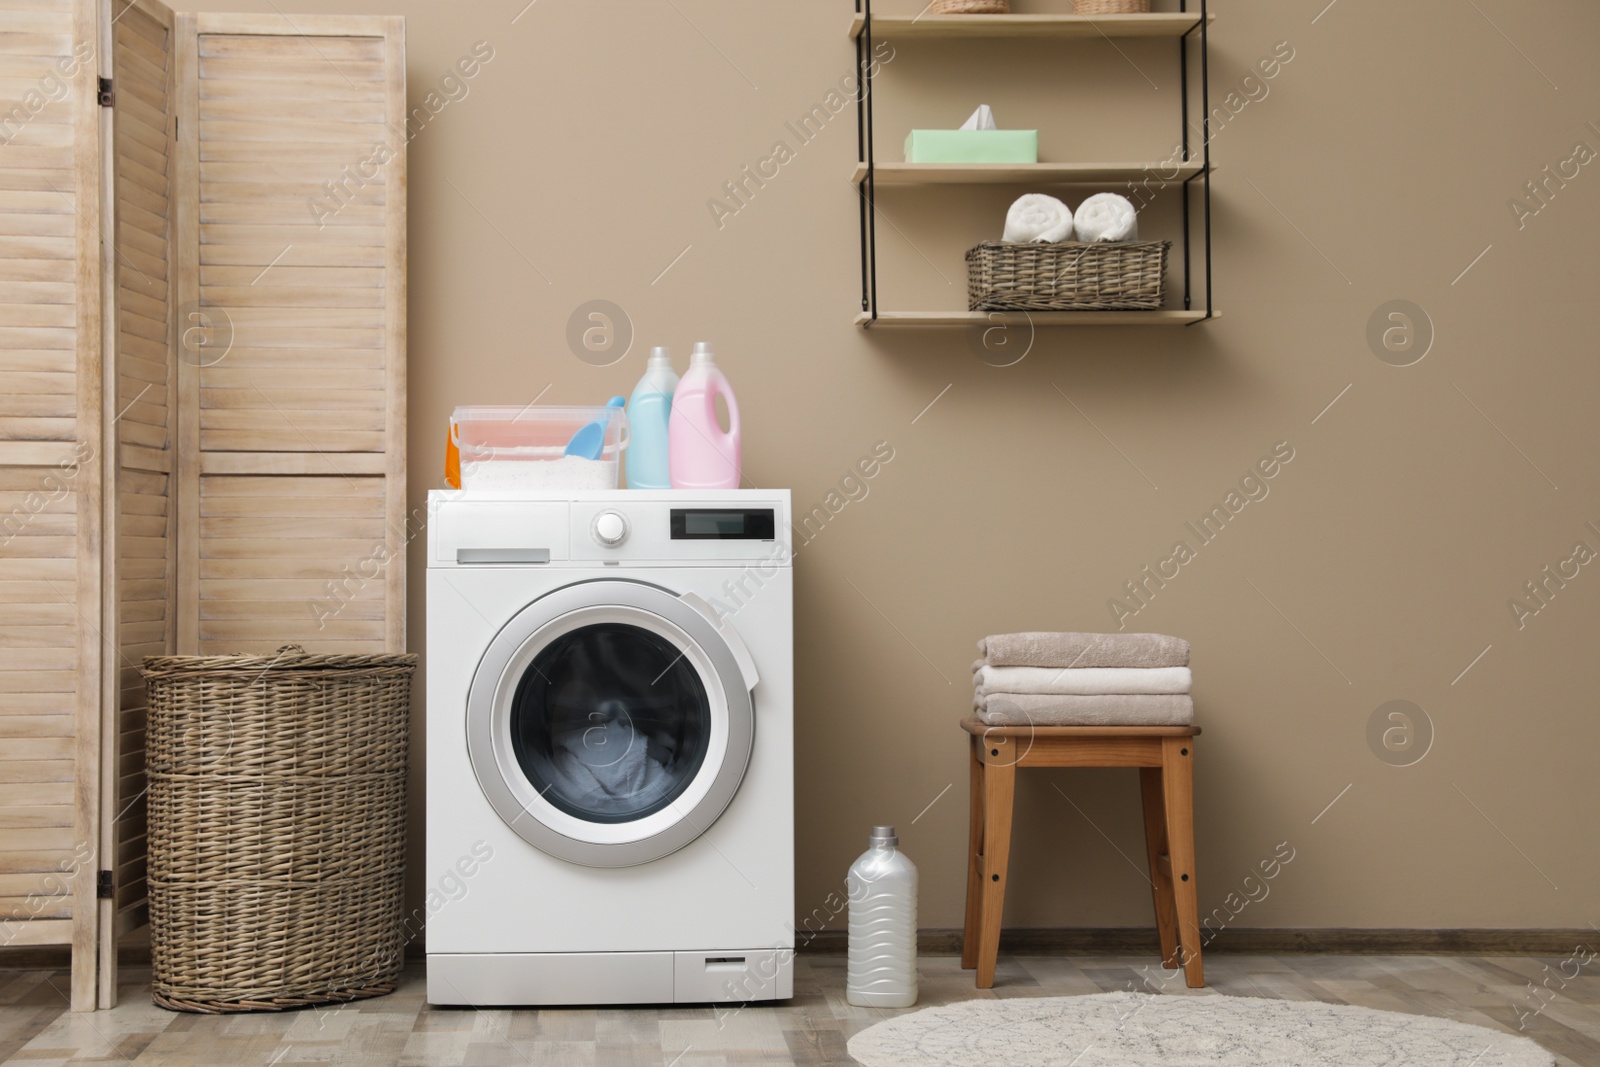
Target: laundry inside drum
(610,723)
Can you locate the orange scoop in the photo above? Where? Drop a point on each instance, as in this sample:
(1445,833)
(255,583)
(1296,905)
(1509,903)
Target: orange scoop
(452,458)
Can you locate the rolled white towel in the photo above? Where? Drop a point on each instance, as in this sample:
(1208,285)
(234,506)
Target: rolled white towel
(1037,217)
(1089,681)
(1107,217)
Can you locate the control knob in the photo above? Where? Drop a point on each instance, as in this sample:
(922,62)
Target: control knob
(610,528)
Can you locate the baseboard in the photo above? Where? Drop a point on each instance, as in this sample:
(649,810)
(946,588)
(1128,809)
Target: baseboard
(59,957)
(1104,941)
(1090,941)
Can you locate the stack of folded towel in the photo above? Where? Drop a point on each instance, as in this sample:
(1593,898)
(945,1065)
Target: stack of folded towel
(1073,679)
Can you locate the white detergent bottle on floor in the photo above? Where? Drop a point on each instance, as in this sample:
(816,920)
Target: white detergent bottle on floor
(882,887)
(649,410)
(700,455)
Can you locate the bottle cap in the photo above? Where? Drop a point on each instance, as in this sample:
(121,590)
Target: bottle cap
(660,355)
(883,836)
(702,352)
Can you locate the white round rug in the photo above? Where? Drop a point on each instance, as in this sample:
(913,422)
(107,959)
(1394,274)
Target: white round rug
(1146,1030)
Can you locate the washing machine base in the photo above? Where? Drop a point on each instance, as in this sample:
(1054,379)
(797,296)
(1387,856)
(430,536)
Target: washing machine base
(603,978)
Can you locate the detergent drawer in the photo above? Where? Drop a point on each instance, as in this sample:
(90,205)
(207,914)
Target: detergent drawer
(505,533)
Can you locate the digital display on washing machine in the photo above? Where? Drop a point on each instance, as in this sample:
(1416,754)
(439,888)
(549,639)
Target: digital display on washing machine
(723,524)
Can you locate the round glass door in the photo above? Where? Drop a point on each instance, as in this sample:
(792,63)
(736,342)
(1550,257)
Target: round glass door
(609,722)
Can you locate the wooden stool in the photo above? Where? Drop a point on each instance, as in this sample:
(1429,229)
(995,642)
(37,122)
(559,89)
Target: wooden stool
(1165,758)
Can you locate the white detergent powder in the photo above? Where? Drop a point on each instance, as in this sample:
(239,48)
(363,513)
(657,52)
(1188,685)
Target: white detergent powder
(566,472)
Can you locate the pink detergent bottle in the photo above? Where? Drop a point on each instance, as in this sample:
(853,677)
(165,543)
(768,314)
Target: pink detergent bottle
(700,455)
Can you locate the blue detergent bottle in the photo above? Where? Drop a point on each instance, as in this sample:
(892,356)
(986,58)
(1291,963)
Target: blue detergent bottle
(649,411)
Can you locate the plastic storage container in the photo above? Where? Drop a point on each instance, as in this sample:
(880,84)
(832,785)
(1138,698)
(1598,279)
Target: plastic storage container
(882,970)
(524,448)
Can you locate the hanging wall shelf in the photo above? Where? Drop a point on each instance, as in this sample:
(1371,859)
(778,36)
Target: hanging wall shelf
(1191,171)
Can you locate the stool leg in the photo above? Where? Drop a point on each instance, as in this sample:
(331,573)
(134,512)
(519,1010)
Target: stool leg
(1177,777)
(970,935)
(999,794)
(1155,840)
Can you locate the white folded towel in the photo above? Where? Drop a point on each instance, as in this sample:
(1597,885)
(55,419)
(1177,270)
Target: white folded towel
(1037,217)
(1088,681)
(1106,217)
(1043,709)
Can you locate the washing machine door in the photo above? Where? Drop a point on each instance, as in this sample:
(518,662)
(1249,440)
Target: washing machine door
(610,722)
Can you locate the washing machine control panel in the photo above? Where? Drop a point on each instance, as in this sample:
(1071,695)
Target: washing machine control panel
(609,528)
(620,532)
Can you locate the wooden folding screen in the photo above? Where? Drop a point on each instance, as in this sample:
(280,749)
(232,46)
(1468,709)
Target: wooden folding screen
(202,384)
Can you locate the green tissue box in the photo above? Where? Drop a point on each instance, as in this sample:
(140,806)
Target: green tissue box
(972,146)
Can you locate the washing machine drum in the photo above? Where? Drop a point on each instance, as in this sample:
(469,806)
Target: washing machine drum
(610,722)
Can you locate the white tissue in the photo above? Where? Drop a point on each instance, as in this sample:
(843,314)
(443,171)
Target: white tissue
(1037,217)
(1107,217)
(982,119)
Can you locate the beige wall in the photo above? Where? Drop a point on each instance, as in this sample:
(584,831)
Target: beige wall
(1378,165)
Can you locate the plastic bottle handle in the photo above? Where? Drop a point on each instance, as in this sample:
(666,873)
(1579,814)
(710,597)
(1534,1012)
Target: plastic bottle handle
(720,387)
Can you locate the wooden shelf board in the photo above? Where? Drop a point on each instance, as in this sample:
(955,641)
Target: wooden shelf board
(1037,318)
(1160,24)
(1026,173)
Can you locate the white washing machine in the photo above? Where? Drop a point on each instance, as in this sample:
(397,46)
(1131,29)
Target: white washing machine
(610,755)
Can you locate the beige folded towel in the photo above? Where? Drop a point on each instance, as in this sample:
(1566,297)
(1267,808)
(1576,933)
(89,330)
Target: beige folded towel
(1045,709)
(1094,681)
(1044,649)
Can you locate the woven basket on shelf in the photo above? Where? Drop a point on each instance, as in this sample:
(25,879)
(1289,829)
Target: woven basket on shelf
(1111,7)
(277,806)
(1071,276)
(971,7)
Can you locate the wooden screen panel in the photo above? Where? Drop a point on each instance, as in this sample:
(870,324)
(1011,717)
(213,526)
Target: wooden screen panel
(292,241)
(141,530)
(142,146)
(144,628)
(40,703)
(51,455)
(290,223)
(39,657)
(39,225)
(301,560)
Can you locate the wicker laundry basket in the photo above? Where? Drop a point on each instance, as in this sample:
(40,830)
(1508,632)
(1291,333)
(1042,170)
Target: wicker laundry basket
(277,810)
(1070,276)
(971,7)
(1111,7)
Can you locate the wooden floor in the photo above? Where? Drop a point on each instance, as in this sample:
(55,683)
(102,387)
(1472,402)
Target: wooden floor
(36,1030)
